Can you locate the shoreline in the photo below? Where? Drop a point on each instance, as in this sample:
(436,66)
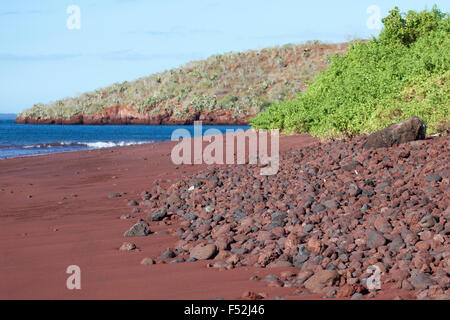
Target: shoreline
(88,149)
(57,212)
(70,151)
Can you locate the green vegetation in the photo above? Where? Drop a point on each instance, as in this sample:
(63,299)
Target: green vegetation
(245,83)
(403,72)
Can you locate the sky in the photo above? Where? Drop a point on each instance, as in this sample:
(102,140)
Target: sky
(53,49)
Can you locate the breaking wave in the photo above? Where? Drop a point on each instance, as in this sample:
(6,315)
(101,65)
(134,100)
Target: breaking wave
(82,145)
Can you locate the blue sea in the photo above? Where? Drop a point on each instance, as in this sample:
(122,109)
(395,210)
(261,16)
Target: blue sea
(19,140)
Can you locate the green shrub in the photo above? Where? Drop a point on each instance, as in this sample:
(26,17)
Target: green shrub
(147,104)
(405,29)
(402,73)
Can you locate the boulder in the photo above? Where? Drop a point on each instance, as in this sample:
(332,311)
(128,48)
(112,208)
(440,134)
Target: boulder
(411,129)
(203,252)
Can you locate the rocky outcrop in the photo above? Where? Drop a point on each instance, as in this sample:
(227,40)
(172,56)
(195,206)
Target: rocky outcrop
(123,115)
(411,129)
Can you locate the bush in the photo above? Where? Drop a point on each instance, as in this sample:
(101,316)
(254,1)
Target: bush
(405,29)
(147,104)
(402,73)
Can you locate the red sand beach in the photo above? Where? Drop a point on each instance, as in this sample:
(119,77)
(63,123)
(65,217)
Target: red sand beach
(56,212)
(41,234)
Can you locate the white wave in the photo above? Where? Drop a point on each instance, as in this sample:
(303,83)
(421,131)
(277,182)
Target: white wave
(110,144)
(90,145)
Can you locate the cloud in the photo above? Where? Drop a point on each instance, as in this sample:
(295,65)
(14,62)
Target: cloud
(128,55)
(177,32)
(38,57)
(120,55)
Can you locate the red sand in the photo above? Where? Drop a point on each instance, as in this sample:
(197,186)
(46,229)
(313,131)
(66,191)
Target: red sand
(42,235)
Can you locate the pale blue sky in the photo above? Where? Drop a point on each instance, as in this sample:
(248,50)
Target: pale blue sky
(41,60)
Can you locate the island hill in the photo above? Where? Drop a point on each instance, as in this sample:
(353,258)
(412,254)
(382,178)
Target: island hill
(223,89)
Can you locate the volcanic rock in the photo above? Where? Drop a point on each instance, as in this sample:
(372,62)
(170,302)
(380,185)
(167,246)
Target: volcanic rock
(375,239)
(422,281)
(411,129)
(114,195)
(167,254)
(133,203)
(157,215)
(147,261)
(127,246)
(379,210)
(321,280)
(427,221)
(203,252)
(140,229)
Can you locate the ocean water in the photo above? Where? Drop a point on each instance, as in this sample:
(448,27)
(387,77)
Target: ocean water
(19,140)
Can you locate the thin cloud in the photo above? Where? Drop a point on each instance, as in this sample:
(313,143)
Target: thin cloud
(121,55)
(128,55)
(176,31)
(39,57)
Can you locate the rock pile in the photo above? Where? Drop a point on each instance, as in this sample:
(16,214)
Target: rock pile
(336,211)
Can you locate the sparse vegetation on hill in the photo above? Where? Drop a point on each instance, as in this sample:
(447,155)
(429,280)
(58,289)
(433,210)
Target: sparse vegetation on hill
(404,72)
(245,83)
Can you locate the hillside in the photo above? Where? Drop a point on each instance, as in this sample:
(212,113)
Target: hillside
(404,72)
(223,89)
